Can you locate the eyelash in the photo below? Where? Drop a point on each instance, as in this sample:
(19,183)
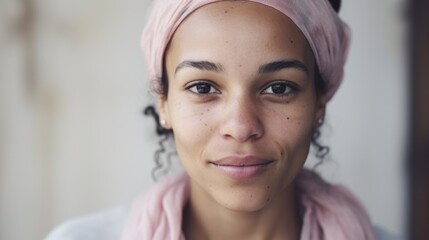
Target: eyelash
(193,88)
(289,88)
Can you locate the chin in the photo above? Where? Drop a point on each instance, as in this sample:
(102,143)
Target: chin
(244,200)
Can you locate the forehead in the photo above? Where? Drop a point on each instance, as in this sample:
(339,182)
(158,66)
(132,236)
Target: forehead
(238,16)
(240,27)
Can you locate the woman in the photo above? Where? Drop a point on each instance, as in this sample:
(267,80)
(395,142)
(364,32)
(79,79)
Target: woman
(242,88)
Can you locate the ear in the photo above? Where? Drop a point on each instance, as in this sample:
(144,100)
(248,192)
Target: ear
(320,111)
(164,116)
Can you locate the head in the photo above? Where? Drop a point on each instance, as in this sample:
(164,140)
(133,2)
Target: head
(243,84)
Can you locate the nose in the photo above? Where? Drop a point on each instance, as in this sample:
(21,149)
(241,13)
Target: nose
(241,120)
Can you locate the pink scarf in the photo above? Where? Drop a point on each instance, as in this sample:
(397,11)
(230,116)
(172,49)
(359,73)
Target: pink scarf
(331,211)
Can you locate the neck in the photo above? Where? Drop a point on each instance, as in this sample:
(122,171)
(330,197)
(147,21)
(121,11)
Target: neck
(204,218)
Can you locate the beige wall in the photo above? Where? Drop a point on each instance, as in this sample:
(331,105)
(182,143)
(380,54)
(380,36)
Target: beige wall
(72,88)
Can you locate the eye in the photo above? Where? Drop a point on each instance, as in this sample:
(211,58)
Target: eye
(279,88)
(202,88)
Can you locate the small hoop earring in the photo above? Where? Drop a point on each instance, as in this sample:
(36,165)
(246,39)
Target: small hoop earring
(162,122)
(320,121)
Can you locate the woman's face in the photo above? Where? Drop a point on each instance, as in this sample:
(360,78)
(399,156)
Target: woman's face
(241,102)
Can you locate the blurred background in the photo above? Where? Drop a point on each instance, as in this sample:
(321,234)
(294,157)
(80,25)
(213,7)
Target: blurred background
(73,139)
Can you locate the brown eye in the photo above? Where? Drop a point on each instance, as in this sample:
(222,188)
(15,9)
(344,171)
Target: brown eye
(279,88)
(202,88)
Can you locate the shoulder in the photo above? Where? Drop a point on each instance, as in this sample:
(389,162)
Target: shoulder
(106,225)
(383,234)
(110,224)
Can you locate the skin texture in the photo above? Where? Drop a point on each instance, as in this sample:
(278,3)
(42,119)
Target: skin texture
(220,104)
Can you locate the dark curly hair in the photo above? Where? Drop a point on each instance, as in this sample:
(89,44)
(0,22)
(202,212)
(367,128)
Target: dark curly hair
(163,163)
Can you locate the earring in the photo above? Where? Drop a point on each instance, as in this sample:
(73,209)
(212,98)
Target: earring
(320,121)
(162,122)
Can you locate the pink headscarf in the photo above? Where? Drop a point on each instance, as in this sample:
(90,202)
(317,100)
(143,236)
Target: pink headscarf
(328,36)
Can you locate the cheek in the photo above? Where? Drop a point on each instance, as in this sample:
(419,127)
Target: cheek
(292,124)
(293,137)
(195,120)
(291,132)
(192,127)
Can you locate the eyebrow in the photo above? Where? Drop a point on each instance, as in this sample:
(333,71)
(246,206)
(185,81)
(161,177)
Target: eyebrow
(282,64)
(201,65)
(264,69)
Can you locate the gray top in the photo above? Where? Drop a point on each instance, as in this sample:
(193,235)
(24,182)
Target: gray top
(107,225)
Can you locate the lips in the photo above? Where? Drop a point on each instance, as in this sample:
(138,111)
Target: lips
(241,167)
